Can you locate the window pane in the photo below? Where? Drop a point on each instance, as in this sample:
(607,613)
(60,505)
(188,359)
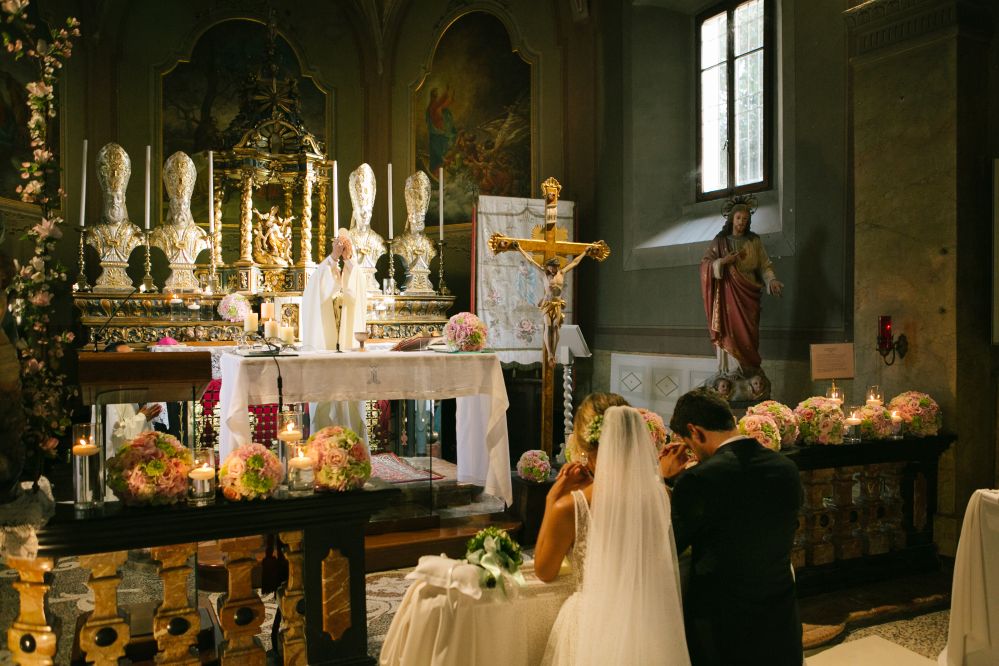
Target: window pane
(714,40)
(714,128)
(748,26)
(749,118)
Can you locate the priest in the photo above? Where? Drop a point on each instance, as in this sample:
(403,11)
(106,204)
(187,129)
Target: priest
(334,306)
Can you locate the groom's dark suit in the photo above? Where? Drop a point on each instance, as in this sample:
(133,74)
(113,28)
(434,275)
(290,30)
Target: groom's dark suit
(738,511)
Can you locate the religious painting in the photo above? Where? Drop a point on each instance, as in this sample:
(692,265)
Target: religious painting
(202,97)
(472,115)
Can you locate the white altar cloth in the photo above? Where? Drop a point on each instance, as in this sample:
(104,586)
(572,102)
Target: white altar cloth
(476,380)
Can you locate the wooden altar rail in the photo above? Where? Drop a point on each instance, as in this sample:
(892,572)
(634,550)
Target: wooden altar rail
(324,619)
(868,511)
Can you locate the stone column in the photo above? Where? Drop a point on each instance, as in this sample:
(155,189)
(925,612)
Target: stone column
(918,72)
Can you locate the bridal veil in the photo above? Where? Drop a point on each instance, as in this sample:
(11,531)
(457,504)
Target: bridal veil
(630,610)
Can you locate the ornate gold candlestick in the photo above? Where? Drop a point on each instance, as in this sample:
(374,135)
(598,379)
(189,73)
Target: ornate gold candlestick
(441,286)
(81,278)
(391,268)
(148,285)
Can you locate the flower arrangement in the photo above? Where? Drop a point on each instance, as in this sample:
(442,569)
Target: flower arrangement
(763,428)
(498,555)
(591,433)
(820,420)
(151,469)
(657,428)
(465,332)
(782,415)
(875,422)
(534,466)
(340,459)
(250,472)
(45,391)
(920,413)
(234,307)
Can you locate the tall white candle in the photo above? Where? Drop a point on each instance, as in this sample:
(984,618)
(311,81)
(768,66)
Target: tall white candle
(336,201)
(83,186)
(440,201)
(149,166)
(390,198)
(211,196)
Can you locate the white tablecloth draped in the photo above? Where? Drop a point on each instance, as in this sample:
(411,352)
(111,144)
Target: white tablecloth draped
(476,380)
(973,636)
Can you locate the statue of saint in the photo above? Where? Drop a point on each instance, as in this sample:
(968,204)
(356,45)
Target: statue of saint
(272,238)
(368,245)
(734,272)
(114,237)
(179,237)
(413,245)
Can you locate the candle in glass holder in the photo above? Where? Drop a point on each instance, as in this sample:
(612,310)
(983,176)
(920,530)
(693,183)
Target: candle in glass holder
(201,478)
(176,307)
(88,472)
(290,431)
(287,334)
(267,311)
(271,328)
(250,323)
(852,422)
(896,426)
(874,398)
(300,475)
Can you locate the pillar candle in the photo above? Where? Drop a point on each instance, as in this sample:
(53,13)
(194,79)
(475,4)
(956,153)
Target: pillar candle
(250,323)
(336,201)
(211,196)
(440,201)
(271,329)
(287,334)
(149,166)
(390,199)
(267,311)
(83,186)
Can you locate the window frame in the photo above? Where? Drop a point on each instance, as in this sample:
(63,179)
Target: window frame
(728,7)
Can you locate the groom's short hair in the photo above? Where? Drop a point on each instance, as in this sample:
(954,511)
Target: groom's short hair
(703,407)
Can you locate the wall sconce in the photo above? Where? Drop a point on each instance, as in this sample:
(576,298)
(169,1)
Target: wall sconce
(886,342)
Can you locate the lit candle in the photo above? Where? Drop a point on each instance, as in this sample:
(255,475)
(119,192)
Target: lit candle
(873,401)
(287,334)
(290,434)
(390,199)
(149,168)
(83,186)
(267,311)
(211,196)
(852,420)
(84,448)
(202,473)
(271,329)
(895,418)
(440,201)
(250,323)
(194,305)
(301,461)
(336,199)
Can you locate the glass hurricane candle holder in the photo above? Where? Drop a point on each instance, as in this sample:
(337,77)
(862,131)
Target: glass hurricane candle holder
(202,479)
(835,394)
(874,397)
(177,310)
(88,469)
(851,435)
(290,433)
(301,479)
(896,426)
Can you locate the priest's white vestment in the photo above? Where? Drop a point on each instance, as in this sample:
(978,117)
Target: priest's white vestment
(320,331)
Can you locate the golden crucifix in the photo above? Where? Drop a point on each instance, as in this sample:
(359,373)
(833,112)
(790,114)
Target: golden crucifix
(544,250)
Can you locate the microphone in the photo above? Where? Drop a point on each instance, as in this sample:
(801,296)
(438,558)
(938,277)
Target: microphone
(113,313)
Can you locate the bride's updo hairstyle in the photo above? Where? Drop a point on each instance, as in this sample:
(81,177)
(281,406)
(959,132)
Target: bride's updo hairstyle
(589,416)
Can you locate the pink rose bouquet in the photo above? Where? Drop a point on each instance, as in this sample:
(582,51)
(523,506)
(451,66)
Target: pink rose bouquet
(250,472)
(657,428)
(820,420)
(465,332)
(534,466)
(762,428)
(234,307)
(875,422)
(782,415)
(340,459)
(920,413)
(151,469)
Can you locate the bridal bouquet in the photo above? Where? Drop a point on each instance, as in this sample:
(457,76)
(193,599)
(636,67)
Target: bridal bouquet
(875,422)
(465,332)
(762,428)
(340,459)
(151,469)
(657,428)
(252,471)
(782,415)
(234,307)
(820,420)
(920,413)
(534,466)
(498,555)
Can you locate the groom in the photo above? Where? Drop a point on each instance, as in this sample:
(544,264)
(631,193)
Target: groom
(737,510)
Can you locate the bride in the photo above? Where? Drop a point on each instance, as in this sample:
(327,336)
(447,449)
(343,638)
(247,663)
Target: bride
(613,523)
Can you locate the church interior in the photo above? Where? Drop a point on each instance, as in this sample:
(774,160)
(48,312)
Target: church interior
(366,259)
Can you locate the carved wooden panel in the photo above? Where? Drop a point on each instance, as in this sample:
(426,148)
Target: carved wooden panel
(336,594)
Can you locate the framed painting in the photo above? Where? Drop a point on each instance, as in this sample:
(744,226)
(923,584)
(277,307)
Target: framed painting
(472,116)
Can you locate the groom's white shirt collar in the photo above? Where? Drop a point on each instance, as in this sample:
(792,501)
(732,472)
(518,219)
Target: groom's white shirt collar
(730,440)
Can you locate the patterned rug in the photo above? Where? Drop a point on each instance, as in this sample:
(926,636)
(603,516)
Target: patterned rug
(392,468)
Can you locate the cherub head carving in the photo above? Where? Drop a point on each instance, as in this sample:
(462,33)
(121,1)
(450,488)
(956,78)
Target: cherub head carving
(417,200)
(362,195)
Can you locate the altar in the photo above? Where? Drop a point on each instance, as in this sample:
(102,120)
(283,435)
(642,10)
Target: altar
(475,379)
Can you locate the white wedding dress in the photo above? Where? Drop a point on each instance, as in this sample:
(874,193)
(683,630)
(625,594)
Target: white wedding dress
(626,608)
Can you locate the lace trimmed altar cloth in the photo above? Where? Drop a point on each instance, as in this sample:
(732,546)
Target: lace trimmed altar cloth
(476,380)
(507,288)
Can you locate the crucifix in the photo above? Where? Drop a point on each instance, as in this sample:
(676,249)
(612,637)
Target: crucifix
(545,250)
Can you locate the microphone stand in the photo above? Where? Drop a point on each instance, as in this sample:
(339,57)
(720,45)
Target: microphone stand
(117,308)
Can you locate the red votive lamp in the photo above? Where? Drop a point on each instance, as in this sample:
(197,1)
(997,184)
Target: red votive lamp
(885,337)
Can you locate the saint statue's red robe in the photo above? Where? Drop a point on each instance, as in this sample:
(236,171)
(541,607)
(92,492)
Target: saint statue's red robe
(732,303)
